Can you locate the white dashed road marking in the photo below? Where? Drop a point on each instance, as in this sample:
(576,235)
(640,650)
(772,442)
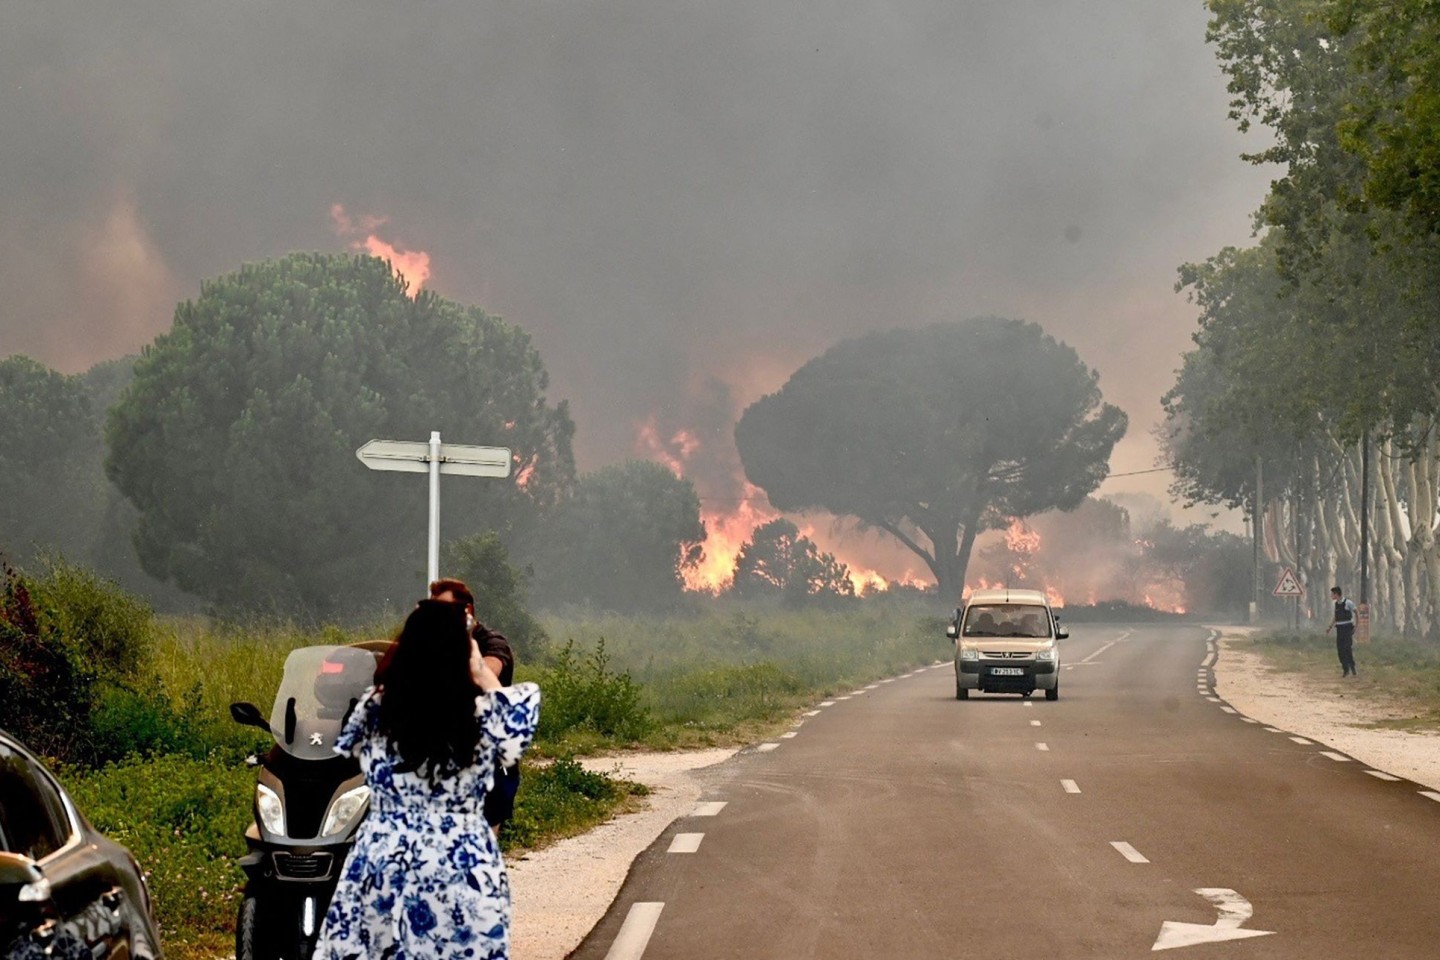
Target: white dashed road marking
(812,713)
(1382,775)
(1273,730)
(634,935)
(1249,720)
(685,843)
(1337,757)
(1214,699)
(1229,709)
(710,808)
(787,736)
(1034,723)
(766,747)
(1301,740)
(1128,852)
(1026,703)
(1431,794)
(1070,786)
(1042,746)
(827,703)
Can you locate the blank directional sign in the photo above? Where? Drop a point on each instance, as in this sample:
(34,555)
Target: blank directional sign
(413,456)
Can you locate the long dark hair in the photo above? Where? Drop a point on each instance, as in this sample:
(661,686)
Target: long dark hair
(427,700)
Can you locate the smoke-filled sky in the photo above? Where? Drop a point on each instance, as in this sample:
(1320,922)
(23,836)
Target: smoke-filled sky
(682,201)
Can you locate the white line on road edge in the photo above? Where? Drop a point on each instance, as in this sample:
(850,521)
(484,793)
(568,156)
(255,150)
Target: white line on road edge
(1300,740)
(874,685)
(1337,757)
(1128,852)
(710,808)
(1273,730)
(827,703)
(1431,794)
(766,747)
(634,935)
(1070,786)
(846,697)
(888,680)
(1097,653)
(1249,720)
(858,693)
(1229,709)
(685,843)
(787,736)
(1042,746)
(812,713)
(1214,699)
(1382,775)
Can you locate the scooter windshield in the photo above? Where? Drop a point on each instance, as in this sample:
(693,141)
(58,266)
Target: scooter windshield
(320,686)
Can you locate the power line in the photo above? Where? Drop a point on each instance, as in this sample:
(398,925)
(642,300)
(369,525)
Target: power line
(1130,473)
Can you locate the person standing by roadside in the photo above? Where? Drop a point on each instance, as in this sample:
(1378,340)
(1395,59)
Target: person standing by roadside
(425,879)
(1344,624)
(500,801)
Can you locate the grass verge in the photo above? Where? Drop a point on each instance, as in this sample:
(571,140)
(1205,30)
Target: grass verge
(1402,674)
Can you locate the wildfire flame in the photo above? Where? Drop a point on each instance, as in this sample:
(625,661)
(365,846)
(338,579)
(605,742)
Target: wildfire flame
(411,266)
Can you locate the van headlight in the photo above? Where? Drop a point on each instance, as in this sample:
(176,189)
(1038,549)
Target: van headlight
(1046,654)
(346,809)
(968,653)
(271,810)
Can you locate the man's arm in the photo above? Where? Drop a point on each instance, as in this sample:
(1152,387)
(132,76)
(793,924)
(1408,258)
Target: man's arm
(495,649)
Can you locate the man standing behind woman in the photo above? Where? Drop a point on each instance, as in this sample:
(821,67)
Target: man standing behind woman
(425,878)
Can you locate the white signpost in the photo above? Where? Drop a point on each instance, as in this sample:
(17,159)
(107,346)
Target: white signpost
(1289,586)
(435,458)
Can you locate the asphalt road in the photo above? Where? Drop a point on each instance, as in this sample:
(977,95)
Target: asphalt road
(901,823)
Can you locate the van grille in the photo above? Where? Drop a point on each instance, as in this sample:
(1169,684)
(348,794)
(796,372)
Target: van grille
(1006,654)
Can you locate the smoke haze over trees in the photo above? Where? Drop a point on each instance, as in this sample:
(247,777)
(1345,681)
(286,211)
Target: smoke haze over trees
(645,188)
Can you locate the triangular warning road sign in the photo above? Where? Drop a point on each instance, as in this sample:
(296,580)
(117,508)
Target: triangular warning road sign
(1289,585)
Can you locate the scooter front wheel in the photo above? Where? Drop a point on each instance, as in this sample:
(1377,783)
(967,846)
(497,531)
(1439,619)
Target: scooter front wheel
(251,940)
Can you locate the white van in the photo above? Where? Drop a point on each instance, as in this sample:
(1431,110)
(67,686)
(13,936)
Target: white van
(1005,642)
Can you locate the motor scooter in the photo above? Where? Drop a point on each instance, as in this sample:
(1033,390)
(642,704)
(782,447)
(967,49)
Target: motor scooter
(309,801)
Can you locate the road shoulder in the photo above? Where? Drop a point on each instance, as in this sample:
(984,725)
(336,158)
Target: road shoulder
(1318,711)
(562,891)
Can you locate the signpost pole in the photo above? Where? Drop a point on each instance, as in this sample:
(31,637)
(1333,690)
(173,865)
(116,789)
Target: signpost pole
(433,566)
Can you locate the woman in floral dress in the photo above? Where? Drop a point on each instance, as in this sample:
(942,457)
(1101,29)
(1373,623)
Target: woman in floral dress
(425,878)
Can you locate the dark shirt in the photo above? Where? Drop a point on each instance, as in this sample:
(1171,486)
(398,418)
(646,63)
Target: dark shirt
(495,645)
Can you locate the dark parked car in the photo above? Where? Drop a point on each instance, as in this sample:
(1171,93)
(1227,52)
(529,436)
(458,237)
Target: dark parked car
(65,891)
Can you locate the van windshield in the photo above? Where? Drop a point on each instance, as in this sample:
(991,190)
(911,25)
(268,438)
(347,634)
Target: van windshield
(1007,620)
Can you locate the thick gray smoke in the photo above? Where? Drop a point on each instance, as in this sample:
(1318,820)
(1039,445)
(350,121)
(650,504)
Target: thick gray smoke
(665,193)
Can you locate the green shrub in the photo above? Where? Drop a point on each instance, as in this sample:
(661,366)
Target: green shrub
(184,821)
(562,799)
(582,692)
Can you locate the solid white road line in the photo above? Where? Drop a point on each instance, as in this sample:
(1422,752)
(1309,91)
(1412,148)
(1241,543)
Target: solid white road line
(634,935)
(1097,653)
(710,808)
(1300,740)
(1128,852)
(766,747)
(1382,775)
(1431,794)
(1070,786)
(1337,757)
(787,736)
(685,843)
(1042,746)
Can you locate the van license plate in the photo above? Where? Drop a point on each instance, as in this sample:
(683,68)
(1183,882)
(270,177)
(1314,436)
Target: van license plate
(1007,671)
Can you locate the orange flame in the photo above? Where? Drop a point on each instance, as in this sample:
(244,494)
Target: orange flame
(411,266)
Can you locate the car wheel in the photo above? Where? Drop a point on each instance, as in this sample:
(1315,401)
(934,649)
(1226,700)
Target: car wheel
(1054,692)
(961,693)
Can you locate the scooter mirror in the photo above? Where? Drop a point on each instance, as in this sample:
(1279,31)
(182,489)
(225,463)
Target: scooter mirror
(247,714)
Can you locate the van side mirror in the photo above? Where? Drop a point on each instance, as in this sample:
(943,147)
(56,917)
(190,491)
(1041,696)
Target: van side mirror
(1061,633)
(952,631)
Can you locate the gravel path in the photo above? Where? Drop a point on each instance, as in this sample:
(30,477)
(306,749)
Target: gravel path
(1323,711)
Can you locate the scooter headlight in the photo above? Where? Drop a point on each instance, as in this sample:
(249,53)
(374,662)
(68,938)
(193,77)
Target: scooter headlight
(346,809)
(271,810)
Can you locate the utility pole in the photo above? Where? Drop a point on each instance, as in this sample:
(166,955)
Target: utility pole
(1255,533)
(1363,614)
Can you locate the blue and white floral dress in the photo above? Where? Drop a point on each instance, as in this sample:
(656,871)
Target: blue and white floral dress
(425,879)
